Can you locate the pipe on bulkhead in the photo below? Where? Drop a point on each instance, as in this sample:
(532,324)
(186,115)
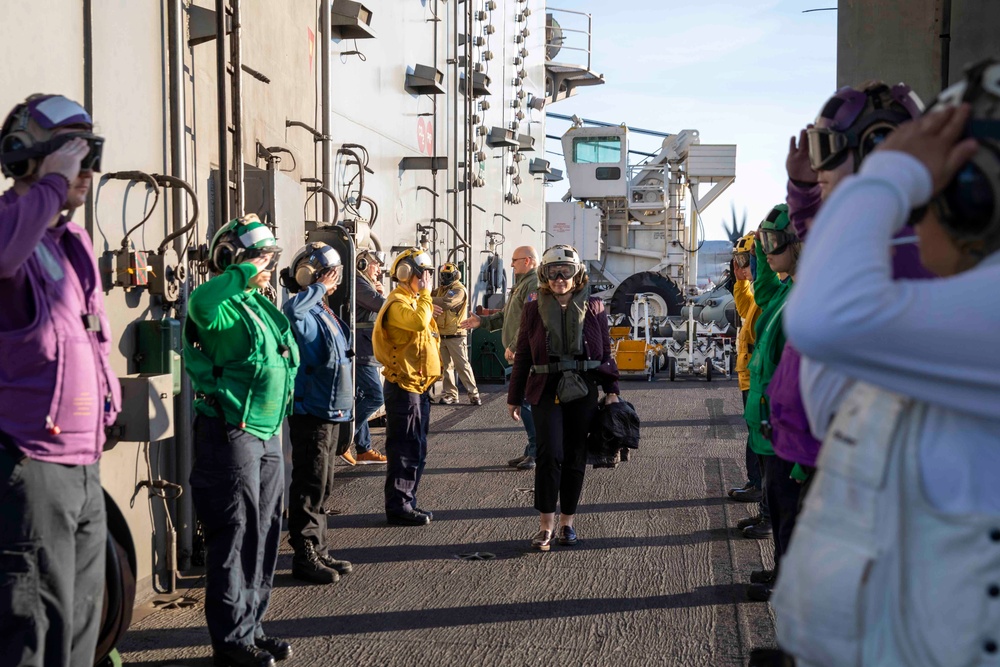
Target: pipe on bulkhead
(326,100)
(183,450)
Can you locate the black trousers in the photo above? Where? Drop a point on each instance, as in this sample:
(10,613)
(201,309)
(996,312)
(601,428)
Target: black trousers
(561,432)
(236,486)
(782,501)
(314,446)
(407,417)
(752,462)
(53,536)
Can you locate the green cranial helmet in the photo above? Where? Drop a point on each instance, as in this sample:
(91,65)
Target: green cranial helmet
(776,232)
(241,240)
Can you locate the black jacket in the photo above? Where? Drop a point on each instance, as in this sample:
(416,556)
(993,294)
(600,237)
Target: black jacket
(615,427)
(369,302)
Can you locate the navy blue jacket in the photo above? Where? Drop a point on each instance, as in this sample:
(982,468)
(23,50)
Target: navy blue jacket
(324,386)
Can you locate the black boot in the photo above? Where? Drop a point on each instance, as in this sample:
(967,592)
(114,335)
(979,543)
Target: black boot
(307,566)
(339,566)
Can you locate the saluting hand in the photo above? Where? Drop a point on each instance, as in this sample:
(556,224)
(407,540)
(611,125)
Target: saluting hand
(66,160)
(797,163)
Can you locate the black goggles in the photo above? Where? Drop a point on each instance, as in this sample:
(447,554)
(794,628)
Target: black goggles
(272,254)
(559,272)
(774,242)
(91,161)
(828,149)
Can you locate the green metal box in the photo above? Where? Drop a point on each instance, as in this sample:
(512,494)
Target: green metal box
(159,348)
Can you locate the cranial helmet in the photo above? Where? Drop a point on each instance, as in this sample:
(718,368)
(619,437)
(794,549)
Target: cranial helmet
(969,206)
(366,256)
(411,262)
(241,240)
(742,250)
(854,122)
(744,244)
(448,273)
(309,263)
(28,134)
(564,255)
(776,232)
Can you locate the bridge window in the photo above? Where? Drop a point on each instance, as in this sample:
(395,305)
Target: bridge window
(589,150)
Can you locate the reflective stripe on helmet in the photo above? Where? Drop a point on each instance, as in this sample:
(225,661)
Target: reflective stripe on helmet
(256,235)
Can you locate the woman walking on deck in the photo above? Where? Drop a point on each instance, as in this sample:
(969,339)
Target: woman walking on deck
(563,353)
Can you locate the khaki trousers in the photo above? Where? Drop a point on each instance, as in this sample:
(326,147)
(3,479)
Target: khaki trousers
(455,352)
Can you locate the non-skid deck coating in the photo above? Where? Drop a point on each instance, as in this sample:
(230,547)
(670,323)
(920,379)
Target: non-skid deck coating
(656,579)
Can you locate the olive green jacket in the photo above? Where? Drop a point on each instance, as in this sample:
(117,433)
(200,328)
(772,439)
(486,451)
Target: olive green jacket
(509,319)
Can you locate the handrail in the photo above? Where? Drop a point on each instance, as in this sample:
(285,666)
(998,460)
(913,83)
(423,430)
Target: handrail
(589,32)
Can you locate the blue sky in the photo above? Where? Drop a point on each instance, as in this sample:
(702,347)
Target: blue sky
(750,73)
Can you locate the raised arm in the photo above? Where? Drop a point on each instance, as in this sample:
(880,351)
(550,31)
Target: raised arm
(934,340)
(205,307)
(23,223)
(413,319)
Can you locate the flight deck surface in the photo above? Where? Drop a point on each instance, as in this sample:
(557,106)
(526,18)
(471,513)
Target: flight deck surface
(656,578)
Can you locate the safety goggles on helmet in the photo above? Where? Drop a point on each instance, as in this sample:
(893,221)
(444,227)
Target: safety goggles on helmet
(774,242)
(272,255)
(742,259)
(828,149)
(560,271)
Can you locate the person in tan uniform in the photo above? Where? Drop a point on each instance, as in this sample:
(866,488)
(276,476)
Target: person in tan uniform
(453,300)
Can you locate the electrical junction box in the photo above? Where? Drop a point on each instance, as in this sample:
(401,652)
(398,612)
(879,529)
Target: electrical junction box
(147,409)
(572,224)
(158,350)
(131,268)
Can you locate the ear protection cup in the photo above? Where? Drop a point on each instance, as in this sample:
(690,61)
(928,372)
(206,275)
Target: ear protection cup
(305,274)
(223,256)
(404,272)
(15,137)
(362,264)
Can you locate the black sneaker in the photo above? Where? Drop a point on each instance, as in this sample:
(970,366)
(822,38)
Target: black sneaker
(762,577)
(513,463)
(528,463)
(748,495)
(279,648)
(749,521)
(542,540)
(567,536)
(410,518)
(759,592)
(759,531)
(338,566)
(307,566)
(733,490)
(241,656)
(770,657)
